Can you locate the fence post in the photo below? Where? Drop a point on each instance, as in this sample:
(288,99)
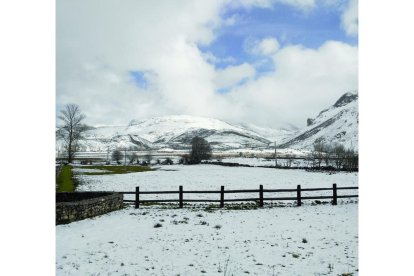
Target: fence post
(299,197)
(136,197)
(222,197)
(181,196)
(261,196)
(335,195)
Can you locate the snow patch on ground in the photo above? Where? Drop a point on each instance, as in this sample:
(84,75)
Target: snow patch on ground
(308,240)
(211,177)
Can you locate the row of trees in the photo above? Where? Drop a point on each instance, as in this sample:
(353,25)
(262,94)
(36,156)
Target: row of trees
(130,158)
(200,150)
(335,155)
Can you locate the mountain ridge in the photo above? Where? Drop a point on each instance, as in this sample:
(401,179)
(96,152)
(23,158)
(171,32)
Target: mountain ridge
(336,124)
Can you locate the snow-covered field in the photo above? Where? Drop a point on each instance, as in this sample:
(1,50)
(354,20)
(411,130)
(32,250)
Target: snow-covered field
(307,240)
(268,162)
(211,177)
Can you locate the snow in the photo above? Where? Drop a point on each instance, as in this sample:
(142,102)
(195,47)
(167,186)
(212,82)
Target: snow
(337,124)
(196,240)
(249,242)
(344,129)
(271,134)
(156,132)
(168,127)
(211,177)
(266,162)
(85,169)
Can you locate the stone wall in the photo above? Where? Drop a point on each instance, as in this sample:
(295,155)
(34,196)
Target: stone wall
(80,205)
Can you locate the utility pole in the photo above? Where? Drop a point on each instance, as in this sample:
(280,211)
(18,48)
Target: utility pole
(124,156)
(275,156)
(107,156)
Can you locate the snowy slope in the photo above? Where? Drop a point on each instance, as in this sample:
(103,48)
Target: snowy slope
(281,134)
(337,124)
(176,132)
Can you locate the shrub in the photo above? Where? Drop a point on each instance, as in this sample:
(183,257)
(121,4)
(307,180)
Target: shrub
(157,225)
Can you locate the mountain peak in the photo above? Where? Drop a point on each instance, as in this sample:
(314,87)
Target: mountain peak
(336,124)
(346,99)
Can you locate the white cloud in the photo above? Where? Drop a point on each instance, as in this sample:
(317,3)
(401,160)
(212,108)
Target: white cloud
(304,81)
(160,37)
(232,75)
(303,5)
(266,46)
(350,18)
(99,42)
(211,58)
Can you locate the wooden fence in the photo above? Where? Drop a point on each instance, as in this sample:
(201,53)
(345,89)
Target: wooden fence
(260,199)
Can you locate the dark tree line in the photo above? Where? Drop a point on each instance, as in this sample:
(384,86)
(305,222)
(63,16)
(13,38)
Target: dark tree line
(334,156)
(122,156)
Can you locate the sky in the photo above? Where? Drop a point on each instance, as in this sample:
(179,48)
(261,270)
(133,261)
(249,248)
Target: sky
(267,62)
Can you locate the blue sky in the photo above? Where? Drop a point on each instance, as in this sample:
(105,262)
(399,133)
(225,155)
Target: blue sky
(290,26)
(286,23)
(267,62)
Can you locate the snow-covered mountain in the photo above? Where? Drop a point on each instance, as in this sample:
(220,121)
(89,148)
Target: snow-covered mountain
(337,124)
(176,132)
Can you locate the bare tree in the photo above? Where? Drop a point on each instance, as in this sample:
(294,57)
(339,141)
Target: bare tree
(339,155)
(355,160)
(327,154)
(318,152)
(132,157)
(289,160)
(200,150)
(72,129)
(351,159)
(148,157)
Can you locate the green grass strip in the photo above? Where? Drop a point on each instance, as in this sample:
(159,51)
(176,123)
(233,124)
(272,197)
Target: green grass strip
(64,180)
(115,169)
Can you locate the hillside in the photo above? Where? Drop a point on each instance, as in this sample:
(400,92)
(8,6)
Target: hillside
(337,124)
(176,132)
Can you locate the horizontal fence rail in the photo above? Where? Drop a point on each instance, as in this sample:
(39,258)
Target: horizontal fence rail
(260,199)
